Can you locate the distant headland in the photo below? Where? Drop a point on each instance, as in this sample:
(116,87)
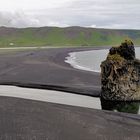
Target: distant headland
(69,36)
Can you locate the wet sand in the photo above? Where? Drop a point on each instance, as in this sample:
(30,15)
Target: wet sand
(51,96)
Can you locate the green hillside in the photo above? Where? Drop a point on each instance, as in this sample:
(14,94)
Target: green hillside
(70,36)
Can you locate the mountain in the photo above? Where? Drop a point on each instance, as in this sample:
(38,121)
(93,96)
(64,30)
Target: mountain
(70,36)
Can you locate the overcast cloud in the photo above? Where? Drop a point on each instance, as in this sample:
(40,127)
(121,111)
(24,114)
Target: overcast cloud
(123,14)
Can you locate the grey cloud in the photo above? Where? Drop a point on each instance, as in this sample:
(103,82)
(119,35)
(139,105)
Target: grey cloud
(107,13)
(17,19)
(91,13)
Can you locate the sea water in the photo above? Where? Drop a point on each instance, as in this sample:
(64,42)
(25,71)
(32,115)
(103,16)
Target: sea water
(90,60)
(68,99)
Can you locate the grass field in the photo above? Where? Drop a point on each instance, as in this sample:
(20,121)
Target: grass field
(70,36)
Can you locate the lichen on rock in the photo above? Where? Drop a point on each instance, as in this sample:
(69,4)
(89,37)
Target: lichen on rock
(120,74)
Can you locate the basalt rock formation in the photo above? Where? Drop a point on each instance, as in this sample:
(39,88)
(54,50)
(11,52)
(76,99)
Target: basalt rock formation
(120,74)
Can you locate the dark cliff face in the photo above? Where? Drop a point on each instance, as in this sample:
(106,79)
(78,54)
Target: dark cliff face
(120,74)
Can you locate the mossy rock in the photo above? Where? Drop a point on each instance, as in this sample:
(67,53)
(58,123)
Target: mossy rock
(120,74)
(125,50)
(128,42)
(115,57)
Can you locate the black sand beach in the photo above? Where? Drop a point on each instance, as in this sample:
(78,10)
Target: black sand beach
(45,68)
(22,119)
(32,120)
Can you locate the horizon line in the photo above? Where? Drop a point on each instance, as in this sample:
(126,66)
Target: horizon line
(67,27)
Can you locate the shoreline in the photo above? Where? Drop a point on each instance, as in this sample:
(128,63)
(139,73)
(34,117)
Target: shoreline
(45,68)
(29,119)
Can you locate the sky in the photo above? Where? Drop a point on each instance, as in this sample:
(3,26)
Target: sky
(114,14)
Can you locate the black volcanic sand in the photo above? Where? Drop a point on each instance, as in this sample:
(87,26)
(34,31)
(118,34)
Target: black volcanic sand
(22,119)
(45,68)
(32,120)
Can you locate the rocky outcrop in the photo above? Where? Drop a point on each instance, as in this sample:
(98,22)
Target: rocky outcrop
(120,74)
(121,106)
